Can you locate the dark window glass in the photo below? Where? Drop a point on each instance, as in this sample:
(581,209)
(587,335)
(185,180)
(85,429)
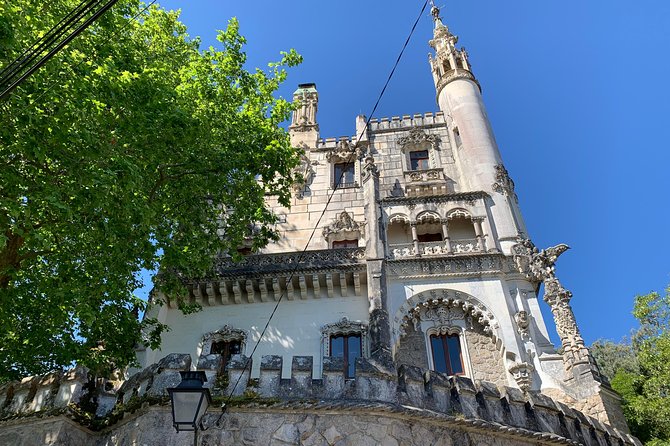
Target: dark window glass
(418,160)
(226,349)
(344,175)
(430,237)
(457,137)
(345,244)
(347,347)
(447,356)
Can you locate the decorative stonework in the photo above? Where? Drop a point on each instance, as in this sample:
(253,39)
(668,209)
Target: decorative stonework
(523,375)
(370,169)
(539,266)
(504,184)
(522,324)
(343,227)
(462,266)
(344,152)
(418,137)
(226,334)
(442,306)
(304,173)
(344,327)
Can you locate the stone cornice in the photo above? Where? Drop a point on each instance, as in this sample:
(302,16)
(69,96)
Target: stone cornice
(453,75)
(459,196)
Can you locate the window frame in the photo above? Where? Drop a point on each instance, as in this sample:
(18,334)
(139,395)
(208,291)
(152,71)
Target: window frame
(457,328)
(422,163)
(349,368)
(447,352)
(348,168)
(345,327)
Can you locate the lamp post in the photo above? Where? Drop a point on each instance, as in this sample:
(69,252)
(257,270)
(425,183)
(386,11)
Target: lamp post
(189,402)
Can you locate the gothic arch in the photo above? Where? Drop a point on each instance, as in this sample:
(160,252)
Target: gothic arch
(409,311)
(428,217)
(399,218)
(459,213)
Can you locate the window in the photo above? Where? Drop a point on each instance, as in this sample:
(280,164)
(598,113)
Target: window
(345,244)
(447,357)
(344,175)
(226,349)
(348,347)
(457,137)
(418,160)
(429,237)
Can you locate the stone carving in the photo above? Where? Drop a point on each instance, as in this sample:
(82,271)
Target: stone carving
(370,168)
(344,152)
(225,333)
(304,174)
(523,375)
(522,324)
(417,137)
(539,266)
(343,224)
(504,184)
(442,307)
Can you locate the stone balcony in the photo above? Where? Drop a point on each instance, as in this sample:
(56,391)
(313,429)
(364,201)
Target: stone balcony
(427,249)
(425,182)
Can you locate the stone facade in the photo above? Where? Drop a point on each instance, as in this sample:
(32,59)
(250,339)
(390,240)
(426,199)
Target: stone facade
(404,239)
(410,407)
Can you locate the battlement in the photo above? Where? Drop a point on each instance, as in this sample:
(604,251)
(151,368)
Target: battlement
(408,389)
(406,121)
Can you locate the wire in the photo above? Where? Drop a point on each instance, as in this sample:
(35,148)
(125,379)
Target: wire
(44,59)
(55,81)
(330,197)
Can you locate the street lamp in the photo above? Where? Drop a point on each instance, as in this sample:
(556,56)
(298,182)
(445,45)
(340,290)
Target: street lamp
(189,401)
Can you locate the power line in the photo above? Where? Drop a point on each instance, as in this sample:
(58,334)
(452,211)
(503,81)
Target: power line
(24,65)
(330,197)
(54,82)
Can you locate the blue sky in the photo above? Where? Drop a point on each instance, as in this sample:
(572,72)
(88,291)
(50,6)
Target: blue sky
(577,93)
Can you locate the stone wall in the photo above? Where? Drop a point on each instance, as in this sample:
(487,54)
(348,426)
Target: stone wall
(412,349)
(485,358)
(380,406)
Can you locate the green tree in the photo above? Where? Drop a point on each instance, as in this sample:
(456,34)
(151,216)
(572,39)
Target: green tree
(612,357)
(132,148)
(646,389)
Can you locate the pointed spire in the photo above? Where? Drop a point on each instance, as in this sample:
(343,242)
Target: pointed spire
(449,63)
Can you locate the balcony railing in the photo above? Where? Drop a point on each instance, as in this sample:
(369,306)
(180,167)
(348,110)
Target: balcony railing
(427,249)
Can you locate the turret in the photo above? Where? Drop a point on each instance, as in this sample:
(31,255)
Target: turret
(459,97)
(304,128)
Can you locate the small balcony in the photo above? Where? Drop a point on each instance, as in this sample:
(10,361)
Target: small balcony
(425,182)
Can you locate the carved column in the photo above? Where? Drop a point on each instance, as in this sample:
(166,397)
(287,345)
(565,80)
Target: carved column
(445,235)
(574,350)
(415,238)
(477,222)
(380,328)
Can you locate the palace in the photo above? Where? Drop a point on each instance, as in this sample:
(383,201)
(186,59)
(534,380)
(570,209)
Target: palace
(409,299)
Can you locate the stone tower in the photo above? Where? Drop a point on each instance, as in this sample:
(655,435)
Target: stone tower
(408,308)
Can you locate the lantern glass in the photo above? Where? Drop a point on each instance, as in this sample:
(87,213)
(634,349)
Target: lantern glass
(189,401)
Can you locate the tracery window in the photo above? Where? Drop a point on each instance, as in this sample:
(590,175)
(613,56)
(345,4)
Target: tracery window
(227,342)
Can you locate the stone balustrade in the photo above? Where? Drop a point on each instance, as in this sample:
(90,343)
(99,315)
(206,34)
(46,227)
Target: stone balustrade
(427,249)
